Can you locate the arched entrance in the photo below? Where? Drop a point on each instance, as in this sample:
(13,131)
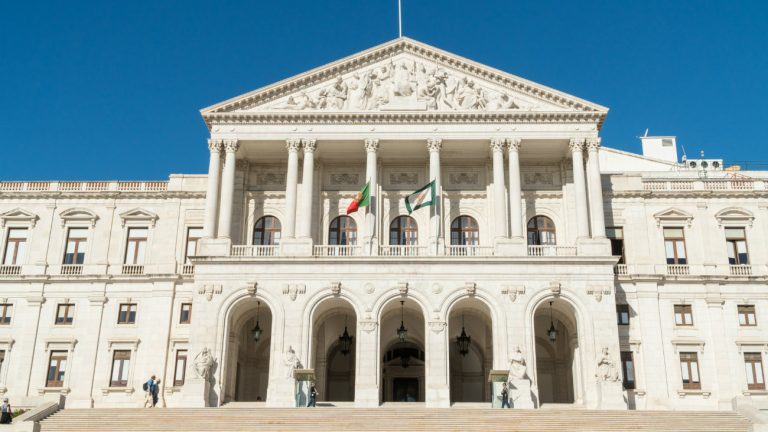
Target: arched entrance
(248,351)
(470,350)
(402,352)
(557,364)
(334,326)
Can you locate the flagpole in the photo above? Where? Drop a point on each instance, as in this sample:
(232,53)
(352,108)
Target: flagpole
(400,18)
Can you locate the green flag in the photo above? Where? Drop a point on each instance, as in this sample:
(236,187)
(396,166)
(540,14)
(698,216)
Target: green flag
(423,197)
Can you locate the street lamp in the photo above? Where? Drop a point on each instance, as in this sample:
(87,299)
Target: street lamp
(345,339)
(402,332)
(463,341)
(256,331)
(552,332)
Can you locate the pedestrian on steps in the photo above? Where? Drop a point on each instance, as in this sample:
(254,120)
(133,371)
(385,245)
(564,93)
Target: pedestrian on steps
(148,392)
(505,396)
(156,393)
(312,396)
(6,411)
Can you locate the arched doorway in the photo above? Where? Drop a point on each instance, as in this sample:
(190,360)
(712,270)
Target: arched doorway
(470,350)
(334,327)
(402,333)
(248,351)
(557,356)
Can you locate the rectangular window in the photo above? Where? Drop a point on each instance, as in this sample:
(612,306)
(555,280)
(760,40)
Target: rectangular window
(127,313)
(181,368)
(6,312)
(193,237)
(689,370)
(622,314)
(736,241)
(2,360)
(674,244)
(77,240)
(185,316)
(57,367)
(15,246)
(136,246)
(753,362)
(616,235)
(628,370)
(747,315)
(121,364)
(65,314)
(684,315)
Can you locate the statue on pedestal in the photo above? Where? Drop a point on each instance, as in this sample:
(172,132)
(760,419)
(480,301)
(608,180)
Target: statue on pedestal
(606,369)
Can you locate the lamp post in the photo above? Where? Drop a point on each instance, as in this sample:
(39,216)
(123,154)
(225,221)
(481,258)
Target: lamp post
(402,332)
(463,340)
(345,339)
(256,331)
(552,332)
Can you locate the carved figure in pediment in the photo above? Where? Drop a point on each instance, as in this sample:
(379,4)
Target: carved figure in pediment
(401,81)
(471,96)
(304,102)
(357,88)
(337,94)
(501,101)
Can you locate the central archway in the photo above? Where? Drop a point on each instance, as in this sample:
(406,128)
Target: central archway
(557,366)
(248,351)
(402,358)
(471,364)
(334,327)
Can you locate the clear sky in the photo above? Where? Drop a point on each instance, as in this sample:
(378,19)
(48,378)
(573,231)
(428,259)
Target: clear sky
(112,90)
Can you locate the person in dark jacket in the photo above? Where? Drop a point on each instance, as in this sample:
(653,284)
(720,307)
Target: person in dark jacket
(155,393)
(505,396)
(6,411)
(312,396)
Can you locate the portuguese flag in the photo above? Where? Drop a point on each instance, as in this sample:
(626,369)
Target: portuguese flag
(362,199)
(423,197)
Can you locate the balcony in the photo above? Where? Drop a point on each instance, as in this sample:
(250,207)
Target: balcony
(722,271)
(186,269)
(338,251)
(468,251)
(71,269)
(10,270)
(255,251)
(741,270)
(402,251)
(551,251)
(691,184)
(84,186)
(678,270)
(132,270)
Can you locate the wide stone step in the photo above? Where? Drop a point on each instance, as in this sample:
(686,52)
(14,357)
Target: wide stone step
(384,419)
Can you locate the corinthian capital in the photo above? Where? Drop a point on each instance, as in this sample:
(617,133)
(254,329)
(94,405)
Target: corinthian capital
(593,144)
(309,144)
(514,144)
(434,144)
(215,145)
(371,145)
(231,145)
(292,144)
(576,145)
(497,144)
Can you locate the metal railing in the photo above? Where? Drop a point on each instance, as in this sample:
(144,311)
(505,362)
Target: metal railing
(332,251)
(396,250)
(254,251)
(551,250)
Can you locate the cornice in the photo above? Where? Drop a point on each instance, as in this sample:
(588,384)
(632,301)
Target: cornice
(100,195)
(686,194)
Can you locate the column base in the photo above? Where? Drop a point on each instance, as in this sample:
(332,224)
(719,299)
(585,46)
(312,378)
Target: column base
(281,393)
(515,246)
(367,397)
(520,393)
(214,246)
(438,397)
(593,247)
(303,247)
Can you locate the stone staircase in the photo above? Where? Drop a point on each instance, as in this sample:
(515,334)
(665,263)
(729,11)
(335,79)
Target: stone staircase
(387,419)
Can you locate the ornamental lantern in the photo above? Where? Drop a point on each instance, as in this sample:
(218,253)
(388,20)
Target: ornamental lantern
(552,332)
(402,332)
(463,341)
(256,331)
(345,340)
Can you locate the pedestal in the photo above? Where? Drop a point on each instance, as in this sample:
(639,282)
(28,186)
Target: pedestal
(304,379)
(497,379)
(610,396)
(520,393)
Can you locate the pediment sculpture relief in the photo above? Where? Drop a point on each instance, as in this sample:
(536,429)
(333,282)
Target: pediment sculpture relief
(401,85)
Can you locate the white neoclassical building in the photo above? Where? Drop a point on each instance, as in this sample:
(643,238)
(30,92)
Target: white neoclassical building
(591,276)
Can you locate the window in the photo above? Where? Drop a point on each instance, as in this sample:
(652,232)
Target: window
(181,368)
(753,362)
(684,315)
(185,316)
(57,367)
(2,360)
(127,314)
(77,240)
(628,370)
(465,232)
(65,314)
(15,246)
(6,312)
(689,371)
(266,232)
(121,363)
(736,241)
(136,246)
(403,231)
(616,235)
(343,232)
(747,315)
(622,314)
(193,237)
(541,231)
(674,243)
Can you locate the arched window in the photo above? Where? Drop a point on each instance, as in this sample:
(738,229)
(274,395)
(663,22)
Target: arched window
(266,232)
(541,231)
(403,231)
(465,232)
(343,232)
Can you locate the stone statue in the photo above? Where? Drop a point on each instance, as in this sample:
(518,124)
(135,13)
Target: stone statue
(337,94)
(517,367)
(291,361)
(204,364)
(606,369)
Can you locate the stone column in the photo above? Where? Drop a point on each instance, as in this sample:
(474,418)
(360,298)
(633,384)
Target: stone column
(515,193)
(434,145)
(227,188)
(212,194)
(290,188)
(367,371)
(582,220)
(595,189)
(499,206)
(304,229)
(371,149)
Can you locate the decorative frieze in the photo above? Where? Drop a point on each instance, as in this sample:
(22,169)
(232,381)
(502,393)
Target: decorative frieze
(513,291)
(293,290)
(208,290)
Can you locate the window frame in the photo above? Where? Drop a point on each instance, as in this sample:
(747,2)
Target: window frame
(675,240)
(57,355)
(349,231)
(690,358)
(538,225)
(6,314)
(136,241)
(628,357)
(732,245)
(620,309)
(79,242)
(67,319)
(129,306)
(622,257)
(181,355)
(408,231)
(460,231)
(685,309)
(16,260)
(124,367)
(758,372)
(746,310)
(189,313)
(261,228)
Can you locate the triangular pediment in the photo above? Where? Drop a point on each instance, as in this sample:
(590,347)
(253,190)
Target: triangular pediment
(18,215)
(75,215)
(404,76)
(673,215)
(139,215)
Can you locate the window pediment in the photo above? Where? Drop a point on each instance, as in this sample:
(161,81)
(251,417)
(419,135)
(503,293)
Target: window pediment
(734,215)
(673,216)
(18,215)
(139,215)
(75,215)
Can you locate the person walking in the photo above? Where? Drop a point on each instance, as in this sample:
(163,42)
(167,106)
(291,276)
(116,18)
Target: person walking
(6,416)
(505,396)
(312,396)
(156,393)
(147,387)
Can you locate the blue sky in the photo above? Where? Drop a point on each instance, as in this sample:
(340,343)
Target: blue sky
(108,90)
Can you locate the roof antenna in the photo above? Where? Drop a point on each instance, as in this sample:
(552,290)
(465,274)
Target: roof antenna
(646,133)
(400,18)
